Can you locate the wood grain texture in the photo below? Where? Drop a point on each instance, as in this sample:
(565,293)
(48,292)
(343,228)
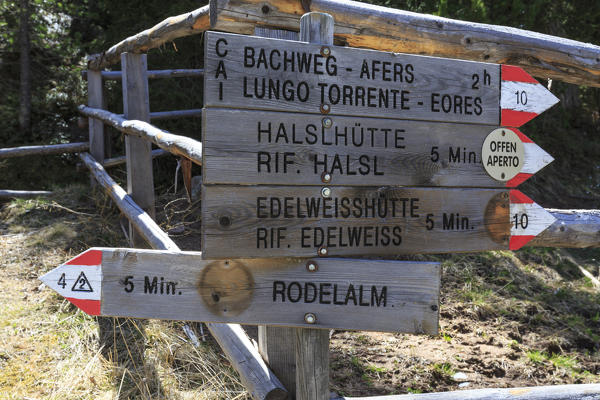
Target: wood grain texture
(140,177)
(374,295)
(140,220)
(254,373)
(349,81)
(277,346)
(271,221)
(255,147)
(554,392)
(96,128)
(187,24)
(380,28)
(312,364)
(175,144)
(44,149)
(572,228)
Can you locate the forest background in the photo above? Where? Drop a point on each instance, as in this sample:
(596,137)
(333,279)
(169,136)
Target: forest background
(44,43)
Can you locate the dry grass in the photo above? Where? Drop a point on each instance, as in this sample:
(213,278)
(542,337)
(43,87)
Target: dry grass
(51,350)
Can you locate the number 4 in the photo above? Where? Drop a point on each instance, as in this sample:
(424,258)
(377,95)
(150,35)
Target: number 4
(62,281)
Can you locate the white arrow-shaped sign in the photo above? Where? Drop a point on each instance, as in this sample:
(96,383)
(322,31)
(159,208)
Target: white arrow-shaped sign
(522,98)
(528,219)
(380,295)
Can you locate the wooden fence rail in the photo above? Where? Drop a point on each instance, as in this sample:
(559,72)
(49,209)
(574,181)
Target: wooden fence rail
(171,28)
(22,194)
(175,144)
(557,392)
(381,28)
(152,74)
(260,382)
(44,149)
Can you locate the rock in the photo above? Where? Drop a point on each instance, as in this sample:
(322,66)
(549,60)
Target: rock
(464,384)
(459,376)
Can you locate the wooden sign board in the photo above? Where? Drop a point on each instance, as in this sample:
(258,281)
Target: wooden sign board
(394,296)
(309,221)
(259,147)
(273,74)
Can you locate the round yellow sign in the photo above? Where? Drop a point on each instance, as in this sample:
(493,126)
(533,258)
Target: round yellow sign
(503,154)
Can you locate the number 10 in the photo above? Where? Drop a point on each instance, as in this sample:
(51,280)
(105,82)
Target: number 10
(523,222)
(521,97)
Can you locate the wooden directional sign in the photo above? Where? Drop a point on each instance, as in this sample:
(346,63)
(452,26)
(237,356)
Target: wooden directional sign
(307,221)
(393,296)
(258,147)
(271,74)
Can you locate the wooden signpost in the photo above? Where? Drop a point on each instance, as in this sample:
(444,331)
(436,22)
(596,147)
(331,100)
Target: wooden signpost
(271,74)
(310,221)
(392,296)
(257,147)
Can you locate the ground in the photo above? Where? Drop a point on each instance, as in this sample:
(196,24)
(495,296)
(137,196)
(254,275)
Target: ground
(507,319)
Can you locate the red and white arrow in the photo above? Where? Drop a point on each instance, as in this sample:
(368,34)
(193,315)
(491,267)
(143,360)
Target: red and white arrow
(522,98)
(535,159)
(527,219)
(79,280)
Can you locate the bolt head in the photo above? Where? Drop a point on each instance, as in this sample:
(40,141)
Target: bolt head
(327,122)
(325,108)
(326,192)
(311,267)
(310,318)
(325,51)
(323,251)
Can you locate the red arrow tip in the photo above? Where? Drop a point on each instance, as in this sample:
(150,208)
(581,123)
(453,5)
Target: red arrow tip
(516,242)
(91,307)
(518,197)
(516,74)
(515,118)
(89,257)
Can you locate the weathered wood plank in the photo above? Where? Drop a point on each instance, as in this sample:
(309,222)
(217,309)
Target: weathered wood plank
(140,177)
(158,115)
(254,373)
(573,228)
(96,128)
(175,144)
(140,220)
(393,296)
(380,28)
(44,149)
(23,194)
(191,23)
(277,346)
(554,392)
(250,72)
(307,221)
(257,147)
(312,364)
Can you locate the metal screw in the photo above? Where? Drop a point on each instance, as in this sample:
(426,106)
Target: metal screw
(434,307)
(326,192)
(327,122)
(325,177)
(503,175)
(503,133)
(312,266)
(310,318)
(325,108)
(325,51)
(322,251)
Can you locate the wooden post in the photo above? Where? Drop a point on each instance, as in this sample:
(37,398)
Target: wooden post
(140,180)
(277,345)
(312,345)
(95,127)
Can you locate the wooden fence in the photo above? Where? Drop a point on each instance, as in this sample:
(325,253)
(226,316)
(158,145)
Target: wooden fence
(357,25)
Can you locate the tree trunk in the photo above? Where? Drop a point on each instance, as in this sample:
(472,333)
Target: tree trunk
(25,64)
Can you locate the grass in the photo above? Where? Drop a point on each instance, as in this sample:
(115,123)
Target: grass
(51,350)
